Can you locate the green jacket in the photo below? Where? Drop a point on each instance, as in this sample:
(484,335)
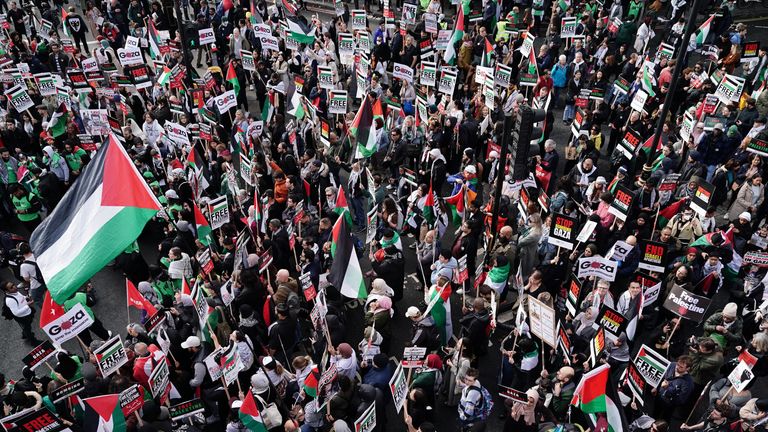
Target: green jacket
(705,366)
(78,298)
(732,335)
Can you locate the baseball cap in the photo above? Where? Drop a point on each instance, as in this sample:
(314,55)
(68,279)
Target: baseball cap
(191,342)
(412,312)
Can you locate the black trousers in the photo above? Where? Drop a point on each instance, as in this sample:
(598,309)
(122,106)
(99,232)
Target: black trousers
(26,326)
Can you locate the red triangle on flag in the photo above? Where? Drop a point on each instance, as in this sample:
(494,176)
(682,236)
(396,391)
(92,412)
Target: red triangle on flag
(249,405)
(103,405)
(50,311)
(123,186)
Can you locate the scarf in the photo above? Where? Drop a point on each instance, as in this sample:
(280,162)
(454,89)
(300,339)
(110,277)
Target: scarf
(526,410)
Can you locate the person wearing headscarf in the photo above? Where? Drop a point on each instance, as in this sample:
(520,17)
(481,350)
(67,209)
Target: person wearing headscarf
(379,315)
(345,360)
(430,378)
(522,417)
(56,163)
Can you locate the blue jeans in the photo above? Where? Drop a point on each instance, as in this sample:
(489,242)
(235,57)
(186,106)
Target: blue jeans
(569,112)
(358,212)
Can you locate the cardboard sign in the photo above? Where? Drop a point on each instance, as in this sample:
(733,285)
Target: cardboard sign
(159,381)
(131,399)
(154,321)
(596,347)
(68,325)
(651,365)
(359,19)
(564,343)
(413,356)
(269,43)
(66,390)
(39,420)
(177,133)
(586,231)
(702,197)
(428,75)
(638,102)
(622,203)
(337,101)
(503,75)
(186,409)
(573,295)
(225,101)
(398,385)
(325,77)
(756,258)
(612,321)
(629,143)
(513,394)
(562,230)
(307,287)
(39,355)
(402,72)
(568,27)
(111,356)
(758,147)
(447,81)
(741,376)
(219,210)
(19,98)
(749,51)
(653,257)
(542,320)
(730,89)
(598,267)
(462,273)
(206,36)
(686,305)
(130,56)
(619,251)
(636,383)
(367,421)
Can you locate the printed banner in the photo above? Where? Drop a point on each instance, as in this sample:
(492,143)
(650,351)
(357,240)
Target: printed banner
(622,203)
(562,230)
(598,267)
(111,356)
(686,304)
(651,365)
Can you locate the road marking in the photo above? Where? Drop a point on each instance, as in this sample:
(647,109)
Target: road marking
(414,277)
(761,18)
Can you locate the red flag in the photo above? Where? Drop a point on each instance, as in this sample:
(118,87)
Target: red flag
(136,300)
(50,311)
(185,288)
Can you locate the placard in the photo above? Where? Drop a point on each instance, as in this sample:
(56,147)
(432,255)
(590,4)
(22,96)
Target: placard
(325,77)
(131,399)
(638,101)
(758,147)
(503,75)
(359,20)
(225,101)
(596,347)
(447,81)
(619,250)
(66,390)
(398,385)
(568,27)
(573,295)
(153,322)
(612,321)
(636,384)
(159,381)
(741,376)
(219,210)
(428,76)
(686,305)
(367,421)
(130,56)
(39,355)
(19,98)
(653,257)
(68,325)
(622,203)
(307,287)
(206,36)
(337,101)
(598,267)
(562,230)
(651,365)
(586,231)
(701,198)
(402,72)
(513,394)
(269,43)
(40,420)
(730,89)
(542,321)
(629,143)
(186,409)
(177,133)
(409,13)
(111,356)
(246,58)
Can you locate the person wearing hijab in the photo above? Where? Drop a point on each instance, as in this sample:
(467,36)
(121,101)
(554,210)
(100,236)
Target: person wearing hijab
(56,164)
(379,315)
(430,379)
(522,417)
(345,360)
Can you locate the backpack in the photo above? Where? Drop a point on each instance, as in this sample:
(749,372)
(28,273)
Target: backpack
(486,404)
(38,276)
(7,313)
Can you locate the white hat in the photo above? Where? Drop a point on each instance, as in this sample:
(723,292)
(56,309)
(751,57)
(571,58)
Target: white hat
(412,312)
(170,193)
(601,180)
(730,310)
(493,155)
(746,216)
(470,169)
(191,342)
(259,382)
(237,403)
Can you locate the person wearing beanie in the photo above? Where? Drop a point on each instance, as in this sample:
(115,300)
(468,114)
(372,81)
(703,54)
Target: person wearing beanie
(724,327)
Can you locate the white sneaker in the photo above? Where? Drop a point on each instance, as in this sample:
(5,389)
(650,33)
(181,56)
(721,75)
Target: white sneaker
(460,291)
(251,87)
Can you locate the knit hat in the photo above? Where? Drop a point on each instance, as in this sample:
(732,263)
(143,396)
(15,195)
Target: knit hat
(746,216)
(730,310)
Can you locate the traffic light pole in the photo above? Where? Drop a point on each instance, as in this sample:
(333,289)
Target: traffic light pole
(681,57)
(500,177)
(186,55)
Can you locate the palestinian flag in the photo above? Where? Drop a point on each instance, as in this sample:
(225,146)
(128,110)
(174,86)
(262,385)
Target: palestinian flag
(648,80)
(345,274)
(232,78)
(456,205)
(395,241)
(439,302)
(154,40)
(533,67)
(429,207)
(201,225)
(98,218)
(297,106)
(458,34)
(50,311)
(300,31)
(185,289)
(706,239)
(487,54)
(64,16)
(311,382)
(268,110)
(497,278)
(634,314)
(136,300)
(199,171)
(58,123)
(363,128)
(341,207)
(564,5)
(666,214)
(596,396)
(703,31)
(103,414)
(249,414)
(165,77)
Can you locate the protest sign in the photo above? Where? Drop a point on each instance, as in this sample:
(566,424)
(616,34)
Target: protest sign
(206,36)
(562,230)
(131,399)
(19,98)
(586,231)
(758,147)
(702,197)
(622,203)
(159,381)
(111,356)
(636,383)
(574,292)
(629,143)
(68,325)
(598,267)
(686,304)
(447,81)
(612,321)
(39,355)
(402,72)
(66,390)
(619,250)
(653,256)
(398,385)
(337,102)
(513,394)
(39,420)
(367,421)
(651,365)
(186,409)
(741,376)
(307,287)
(225,101)
(568,27)
(542,321)
(596,347)
(428,75)
(564,342)
(219,210)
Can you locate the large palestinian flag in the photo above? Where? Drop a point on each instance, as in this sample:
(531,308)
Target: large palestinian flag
(346,274)
(458,34)
(103,414)
(597,398)
(98,218)
(439,309)
(364,130)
